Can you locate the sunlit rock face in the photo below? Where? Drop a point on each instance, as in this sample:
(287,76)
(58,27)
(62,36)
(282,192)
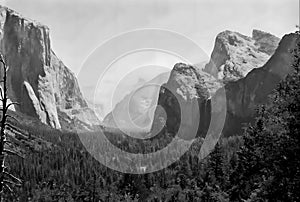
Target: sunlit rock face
(235,55)
(184,102)
(244,95)
(37,78)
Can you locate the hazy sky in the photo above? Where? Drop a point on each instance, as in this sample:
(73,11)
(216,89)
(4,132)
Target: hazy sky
(78,26)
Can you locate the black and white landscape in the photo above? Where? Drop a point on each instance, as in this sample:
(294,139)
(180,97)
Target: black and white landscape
(156,125)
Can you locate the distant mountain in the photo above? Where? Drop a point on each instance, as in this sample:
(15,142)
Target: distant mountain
(45,88)
(97,108)
(134,113)
(235,55)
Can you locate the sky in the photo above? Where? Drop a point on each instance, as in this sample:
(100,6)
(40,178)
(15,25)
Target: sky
(78,27)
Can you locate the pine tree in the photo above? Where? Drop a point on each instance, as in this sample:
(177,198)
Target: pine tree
(216,166)
(282,123)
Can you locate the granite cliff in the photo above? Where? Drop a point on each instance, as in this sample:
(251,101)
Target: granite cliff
(45,88)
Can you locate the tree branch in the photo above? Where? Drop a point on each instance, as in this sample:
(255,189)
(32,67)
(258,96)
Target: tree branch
(12,153)
(8,187)
(11,104)
(10,116)
(13,177)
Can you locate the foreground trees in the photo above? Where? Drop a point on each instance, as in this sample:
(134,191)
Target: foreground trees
(268,166)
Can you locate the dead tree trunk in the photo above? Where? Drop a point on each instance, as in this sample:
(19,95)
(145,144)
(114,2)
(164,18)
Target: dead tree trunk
(5,177)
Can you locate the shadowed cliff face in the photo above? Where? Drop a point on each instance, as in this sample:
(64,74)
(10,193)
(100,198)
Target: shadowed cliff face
(37,79)
(244,95)
(235,55)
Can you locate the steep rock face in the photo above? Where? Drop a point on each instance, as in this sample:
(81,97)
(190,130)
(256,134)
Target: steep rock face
(244,95)
(235,55)
(37,79)
(184,102)
(68,97)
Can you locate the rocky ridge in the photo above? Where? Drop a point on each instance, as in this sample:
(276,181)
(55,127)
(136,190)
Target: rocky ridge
(189,89)
(186,92)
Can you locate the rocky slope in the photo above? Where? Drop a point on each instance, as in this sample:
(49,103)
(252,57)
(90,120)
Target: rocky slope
(45,88)
(235,55)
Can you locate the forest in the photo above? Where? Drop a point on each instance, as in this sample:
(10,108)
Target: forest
(262,164)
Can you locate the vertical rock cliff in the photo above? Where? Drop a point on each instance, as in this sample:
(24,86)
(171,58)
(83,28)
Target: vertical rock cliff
(37,79)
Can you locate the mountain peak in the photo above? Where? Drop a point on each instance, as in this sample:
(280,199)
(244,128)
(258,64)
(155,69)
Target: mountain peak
(256,33)
(267,42)
(5,10)
(235,55)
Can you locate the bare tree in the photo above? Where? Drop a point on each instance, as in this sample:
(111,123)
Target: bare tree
(6,178)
